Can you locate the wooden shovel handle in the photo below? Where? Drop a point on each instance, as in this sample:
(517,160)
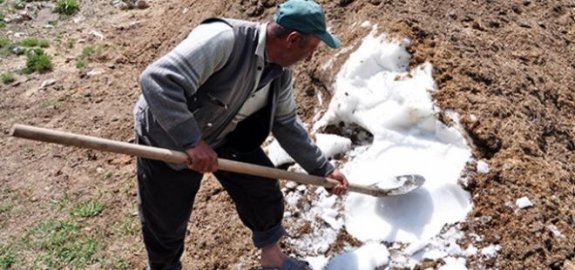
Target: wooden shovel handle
(66,138)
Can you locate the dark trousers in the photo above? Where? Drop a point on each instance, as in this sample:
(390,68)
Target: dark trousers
(166,198)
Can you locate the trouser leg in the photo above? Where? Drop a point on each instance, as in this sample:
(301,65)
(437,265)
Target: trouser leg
(259,201)
(165,201)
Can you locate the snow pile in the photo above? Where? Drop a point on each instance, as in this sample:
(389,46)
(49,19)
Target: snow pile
(389,112)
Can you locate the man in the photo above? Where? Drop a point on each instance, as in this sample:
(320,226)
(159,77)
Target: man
(219,93)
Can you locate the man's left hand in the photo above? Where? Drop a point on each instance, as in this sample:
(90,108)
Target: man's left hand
(341,188)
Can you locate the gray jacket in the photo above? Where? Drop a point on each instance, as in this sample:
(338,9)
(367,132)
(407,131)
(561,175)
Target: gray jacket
(177,110)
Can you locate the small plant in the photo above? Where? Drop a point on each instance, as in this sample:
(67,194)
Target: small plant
(64,200)
(6,207)
(128,226)
(121,263)
(90,208)
(6,79)
(71,43)
(37,61)
(88,51)
(19,4)
(81,63)
(34,42)
(2,24)
(4,42)
(67,7)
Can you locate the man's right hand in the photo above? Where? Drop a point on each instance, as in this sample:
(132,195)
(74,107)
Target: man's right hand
(202,158)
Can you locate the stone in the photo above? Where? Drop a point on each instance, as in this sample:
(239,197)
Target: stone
(142,4)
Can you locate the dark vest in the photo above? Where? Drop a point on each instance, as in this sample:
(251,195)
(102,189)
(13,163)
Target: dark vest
(219,98)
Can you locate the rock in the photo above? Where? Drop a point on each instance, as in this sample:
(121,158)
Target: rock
(94,72)
(97,34)
(130,4)
(142,4)
(18,18)
(47,83)
(255,11)
(18,50)
(124,6)
(79,19)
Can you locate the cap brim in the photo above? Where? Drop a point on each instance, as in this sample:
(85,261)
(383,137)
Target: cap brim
(329,40)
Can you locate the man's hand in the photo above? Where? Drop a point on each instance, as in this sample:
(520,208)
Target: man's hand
(341,188)
(202,158)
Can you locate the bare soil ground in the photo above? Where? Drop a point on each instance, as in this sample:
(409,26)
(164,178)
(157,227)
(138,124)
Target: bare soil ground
(507,67)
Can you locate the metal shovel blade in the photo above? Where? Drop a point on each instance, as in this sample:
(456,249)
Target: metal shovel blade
(400,185)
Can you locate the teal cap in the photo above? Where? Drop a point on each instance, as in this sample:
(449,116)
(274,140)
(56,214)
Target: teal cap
(307,17)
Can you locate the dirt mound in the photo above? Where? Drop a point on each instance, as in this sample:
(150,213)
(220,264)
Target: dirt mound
(507,67)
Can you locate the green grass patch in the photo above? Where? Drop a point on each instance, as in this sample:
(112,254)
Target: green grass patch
(37,61)
(86,209)
(7,258)
(7,78)
(79,252)
(67,7)
(121,263)
(128,226)
(60,244)
(89,53)
(34,42)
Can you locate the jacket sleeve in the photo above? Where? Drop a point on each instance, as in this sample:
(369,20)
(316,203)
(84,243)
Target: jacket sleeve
(168,82)
(293,137)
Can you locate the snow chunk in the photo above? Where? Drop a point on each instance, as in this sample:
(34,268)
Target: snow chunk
(523,202)
(369,256)
(482,167)
(491,251)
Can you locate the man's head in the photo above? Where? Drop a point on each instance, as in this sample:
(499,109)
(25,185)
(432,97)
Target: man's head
(297,28)
(306,17)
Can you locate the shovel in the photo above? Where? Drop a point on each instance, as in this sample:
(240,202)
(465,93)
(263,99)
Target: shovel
(402,184)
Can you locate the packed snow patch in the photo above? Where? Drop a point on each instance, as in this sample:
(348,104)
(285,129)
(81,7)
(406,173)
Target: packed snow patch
(389,112)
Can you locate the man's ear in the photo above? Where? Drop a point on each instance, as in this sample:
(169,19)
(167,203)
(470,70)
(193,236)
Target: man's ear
(293,39)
